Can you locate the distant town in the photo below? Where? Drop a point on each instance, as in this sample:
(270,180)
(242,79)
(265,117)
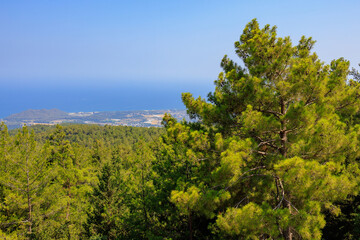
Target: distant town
(141,118)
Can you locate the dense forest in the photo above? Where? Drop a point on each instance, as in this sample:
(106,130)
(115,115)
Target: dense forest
(272,153)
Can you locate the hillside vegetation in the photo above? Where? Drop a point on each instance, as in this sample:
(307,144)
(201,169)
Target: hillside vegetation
(272,153)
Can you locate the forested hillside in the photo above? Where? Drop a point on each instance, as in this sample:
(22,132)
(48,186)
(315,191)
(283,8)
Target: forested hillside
(272,153)
(49,176)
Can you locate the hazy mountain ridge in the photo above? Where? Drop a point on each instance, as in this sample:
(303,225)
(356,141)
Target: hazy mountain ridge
(141,118)
(38,114)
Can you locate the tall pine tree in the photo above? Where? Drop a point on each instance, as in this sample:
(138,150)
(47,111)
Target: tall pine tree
(274,145)
(24,176)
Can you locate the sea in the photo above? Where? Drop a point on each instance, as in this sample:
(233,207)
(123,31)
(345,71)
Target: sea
(89,98)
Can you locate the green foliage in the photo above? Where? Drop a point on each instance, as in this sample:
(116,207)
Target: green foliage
(271,154)
(346,225)
(69,185)
(24,178)
(276,136)
(63,188)
(107,211)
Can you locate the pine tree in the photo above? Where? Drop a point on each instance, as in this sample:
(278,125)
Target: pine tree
(107,211)
(65,205)
(274,142)
(140,191)
(24,178)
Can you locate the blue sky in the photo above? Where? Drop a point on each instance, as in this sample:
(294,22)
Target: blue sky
(114,43)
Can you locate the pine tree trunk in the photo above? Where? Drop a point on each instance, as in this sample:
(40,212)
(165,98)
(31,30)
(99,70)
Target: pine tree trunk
(143,199)
(28,196)
(68,203)
(190,226)
(288,232)
(283,132)
(283,150)
(30,213)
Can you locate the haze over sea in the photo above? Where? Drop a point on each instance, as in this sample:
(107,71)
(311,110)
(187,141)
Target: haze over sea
(129,95)
(136,55)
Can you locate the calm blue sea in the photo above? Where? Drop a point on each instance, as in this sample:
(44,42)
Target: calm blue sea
(125,96)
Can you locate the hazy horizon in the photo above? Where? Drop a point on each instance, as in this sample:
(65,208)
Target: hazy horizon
(91,55)
(130,96)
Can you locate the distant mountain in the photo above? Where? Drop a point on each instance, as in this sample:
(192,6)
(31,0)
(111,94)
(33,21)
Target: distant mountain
(37,115)
(142,118)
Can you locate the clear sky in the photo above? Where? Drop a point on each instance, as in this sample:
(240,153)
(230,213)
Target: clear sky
(115,43)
